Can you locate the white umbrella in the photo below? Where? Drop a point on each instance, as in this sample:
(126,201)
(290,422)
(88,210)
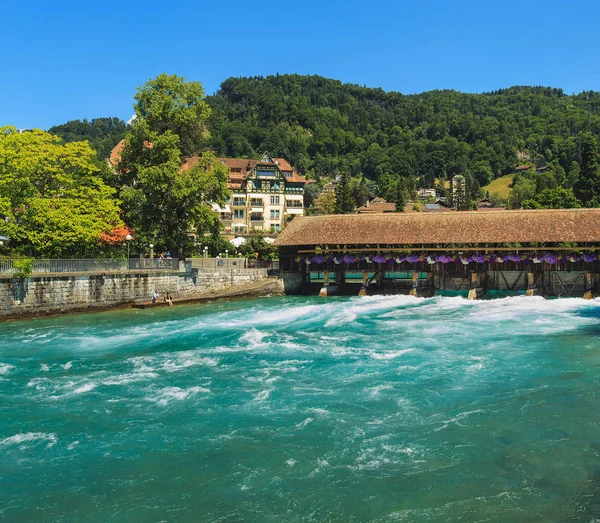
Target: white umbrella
(238,241)
(269,240)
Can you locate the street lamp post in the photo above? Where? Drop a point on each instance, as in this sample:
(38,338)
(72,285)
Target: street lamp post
(226,253)
(128,240)
(206,251)
(151,250)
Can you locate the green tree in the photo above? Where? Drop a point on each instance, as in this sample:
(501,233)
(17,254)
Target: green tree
(257,247)
(325,203)
(460,196)
(102,133)
(401,195)
(362,190)
(311,193)
(217,245)
(52,198)
(344,200)
(587,187)
(169,103)
(164,201)
(522,191)
(557,198)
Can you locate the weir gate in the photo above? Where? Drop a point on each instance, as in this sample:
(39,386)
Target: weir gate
(536,252)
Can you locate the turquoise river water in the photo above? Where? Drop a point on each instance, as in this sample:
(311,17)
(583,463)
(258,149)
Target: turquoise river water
(385,408)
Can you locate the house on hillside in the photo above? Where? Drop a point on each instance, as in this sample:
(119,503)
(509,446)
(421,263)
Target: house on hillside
(486,204)
(377,206)
(426,194)
(330,186)
(526,167)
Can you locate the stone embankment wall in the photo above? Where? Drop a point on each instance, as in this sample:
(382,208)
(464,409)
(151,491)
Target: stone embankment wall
(54,293)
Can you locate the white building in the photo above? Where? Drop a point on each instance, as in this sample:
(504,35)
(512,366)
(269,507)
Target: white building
(266,194)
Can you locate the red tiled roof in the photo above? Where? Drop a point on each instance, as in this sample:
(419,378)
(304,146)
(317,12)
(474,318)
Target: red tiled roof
(238,167)
(115,154)
(377,206)
(284,165)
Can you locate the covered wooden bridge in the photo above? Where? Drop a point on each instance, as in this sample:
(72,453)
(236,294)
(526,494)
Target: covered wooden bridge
(547,252)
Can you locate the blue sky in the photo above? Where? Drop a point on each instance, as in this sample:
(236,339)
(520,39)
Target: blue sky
(79,59)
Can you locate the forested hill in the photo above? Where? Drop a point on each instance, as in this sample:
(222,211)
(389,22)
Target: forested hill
(326,127)
(102,133)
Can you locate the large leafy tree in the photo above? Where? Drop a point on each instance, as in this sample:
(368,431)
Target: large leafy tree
(325,203)
(164,201)
(557,198)
(169,103)
(52,199)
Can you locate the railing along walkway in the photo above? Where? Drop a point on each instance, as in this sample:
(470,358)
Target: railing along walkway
(57,266)
(233,263)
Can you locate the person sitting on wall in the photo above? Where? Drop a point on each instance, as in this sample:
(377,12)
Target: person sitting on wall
(169,299)
(155,296)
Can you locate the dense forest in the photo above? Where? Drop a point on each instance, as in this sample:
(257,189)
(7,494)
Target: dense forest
(102,133)
(326,128)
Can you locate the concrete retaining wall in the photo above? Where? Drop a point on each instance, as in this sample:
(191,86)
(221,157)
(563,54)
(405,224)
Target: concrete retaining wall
(64,293)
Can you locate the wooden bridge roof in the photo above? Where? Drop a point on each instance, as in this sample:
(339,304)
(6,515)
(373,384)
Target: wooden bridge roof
(522,226)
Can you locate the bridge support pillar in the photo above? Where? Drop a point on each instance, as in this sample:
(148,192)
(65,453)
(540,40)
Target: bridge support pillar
(324,290)
(328,289)
(478,285)
(590,279)
(415,284)
(422,291)
(531,288)
(365,284)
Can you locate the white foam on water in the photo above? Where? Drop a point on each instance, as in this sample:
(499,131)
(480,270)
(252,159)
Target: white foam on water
(124,379)
(29,439)
(374,391)
(263,395)
(319,411)
(350,311)
(391,354)
(285,315)
(171,362)
(38,383)
(346,316)
(44,367)
(457,419)
(169,394)
(291,462)
(294,363)
(5,368)
(253,337)
(304,423)
(67,365)
(84,388)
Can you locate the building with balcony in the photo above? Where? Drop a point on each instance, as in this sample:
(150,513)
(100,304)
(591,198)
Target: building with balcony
(266,195)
